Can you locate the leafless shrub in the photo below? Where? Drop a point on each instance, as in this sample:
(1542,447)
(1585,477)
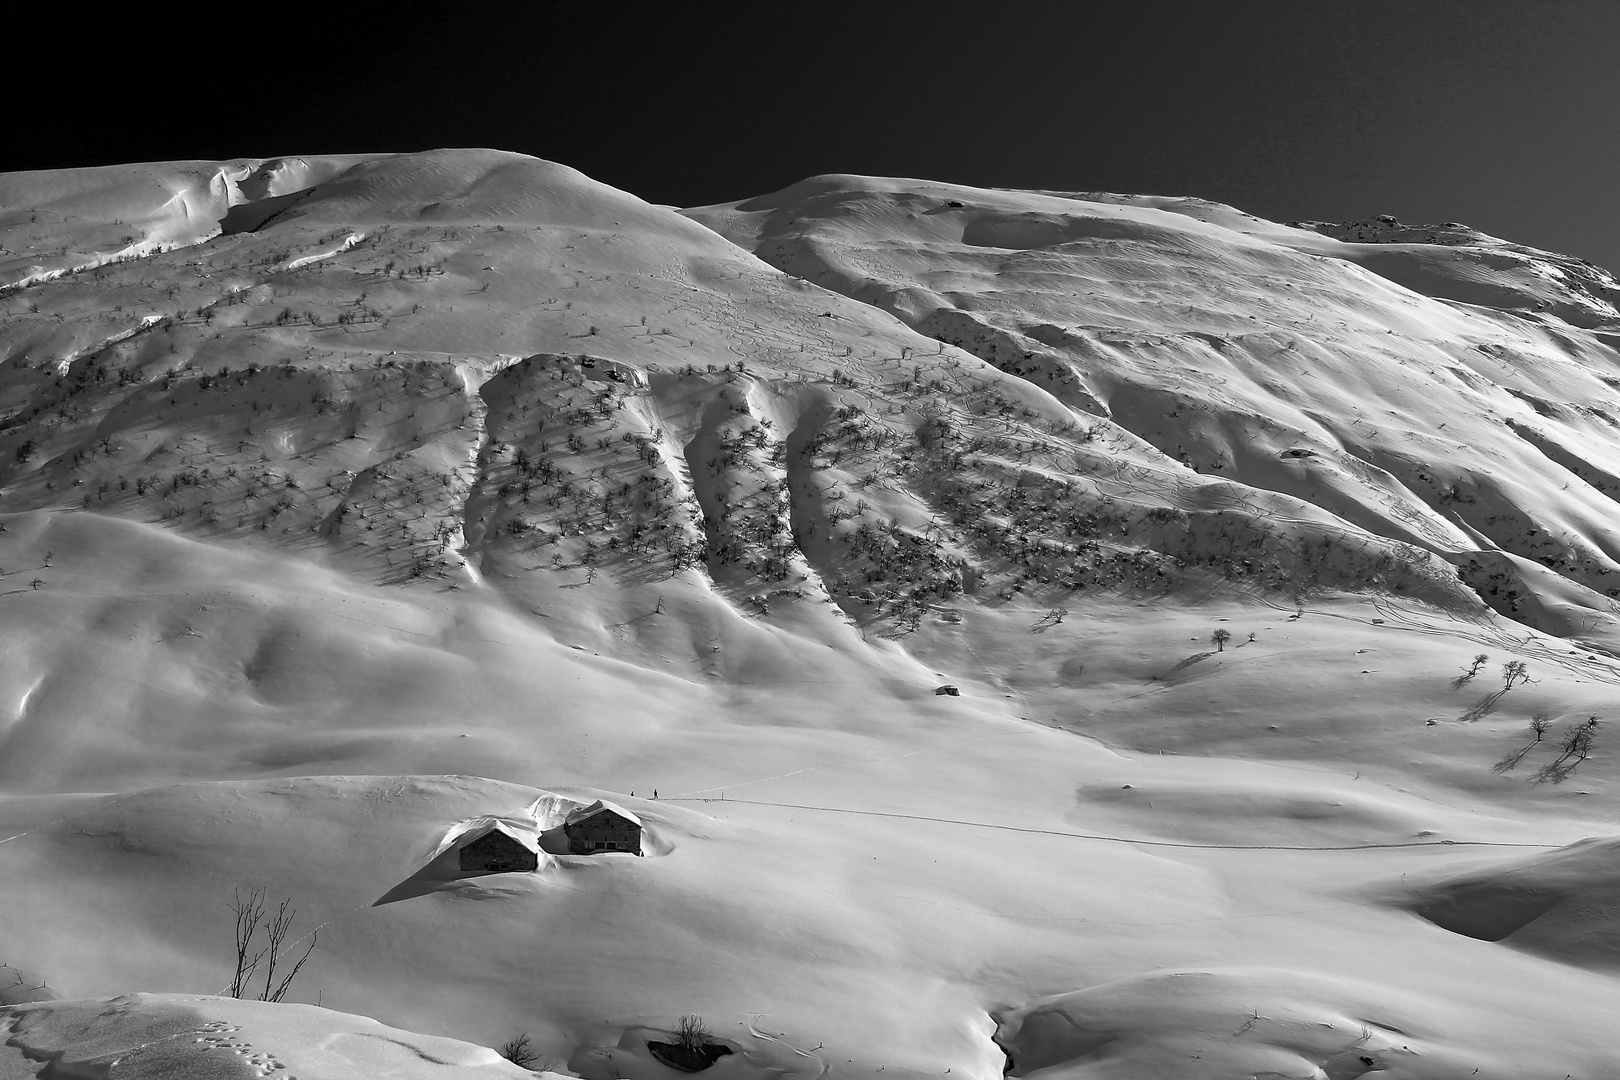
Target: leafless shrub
(519,1051)
(1462,680)
(691,1035)
(252,918)
(1575,748)
(1052,617)
(1539,723)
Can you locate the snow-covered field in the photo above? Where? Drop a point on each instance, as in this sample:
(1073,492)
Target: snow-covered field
(351,504)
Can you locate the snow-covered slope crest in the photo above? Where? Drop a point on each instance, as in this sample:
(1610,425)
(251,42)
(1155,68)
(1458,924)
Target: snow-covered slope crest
(165,1036)
(67,220)
(1453,262)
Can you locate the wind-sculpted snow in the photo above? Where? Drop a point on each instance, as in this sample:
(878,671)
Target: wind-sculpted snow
(68,221)
(1258,1022)
(1559,904)
(164,1036)
(353,506)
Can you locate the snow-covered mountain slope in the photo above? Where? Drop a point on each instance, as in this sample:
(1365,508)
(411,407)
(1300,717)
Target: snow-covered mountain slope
(397,493)
(1487,431)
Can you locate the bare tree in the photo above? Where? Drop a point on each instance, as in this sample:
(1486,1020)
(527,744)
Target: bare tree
(692,1035)
(1462,680)
(1578,743)
(1220,637)
(519,1051)
(1514,671)
(1539,724)
(251,919)
(1575,748)
(249,912)
(277,929)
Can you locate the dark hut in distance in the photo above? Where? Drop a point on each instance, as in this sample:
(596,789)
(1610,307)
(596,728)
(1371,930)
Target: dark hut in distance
(602,827)
(498,851)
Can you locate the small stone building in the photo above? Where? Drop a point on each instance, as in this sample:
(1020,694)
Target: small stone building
(498,851)
(601,827)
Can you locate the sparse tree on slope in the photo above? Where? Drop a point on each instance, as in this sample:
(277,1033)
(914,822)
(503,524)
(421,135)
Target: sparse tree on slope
(1462,680)
(519,1051)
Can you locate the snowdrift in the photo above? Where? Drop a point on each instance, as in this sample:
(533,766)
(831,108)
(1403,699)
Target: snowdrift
(1562,904)
(162,1036)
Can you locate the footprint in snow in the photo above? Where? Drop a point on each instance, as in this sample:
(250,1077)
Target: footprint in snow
(217,1036)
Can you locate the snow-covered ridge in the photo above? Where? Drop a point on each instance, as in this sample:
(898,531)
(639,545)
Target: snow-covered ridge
(75,220)
(1482,269)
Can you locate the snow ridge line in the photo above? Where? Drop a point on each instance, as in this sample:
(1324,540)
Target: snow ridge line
(65,364)
(58,821)
(141,249)
(1127,839)
(306,260)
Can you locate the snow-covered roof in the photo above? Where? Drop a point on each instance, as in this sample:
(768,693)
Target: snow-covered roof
(496,828)
(583,812)
(482,828)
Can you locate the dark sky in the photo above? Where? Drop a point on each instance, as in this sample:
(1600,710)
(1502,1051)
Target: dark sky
(1498,113)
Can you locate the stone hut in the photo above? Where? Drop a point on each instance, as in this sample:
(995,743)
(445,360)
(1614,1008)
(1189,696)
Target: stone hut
(601,827)
(498,851)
